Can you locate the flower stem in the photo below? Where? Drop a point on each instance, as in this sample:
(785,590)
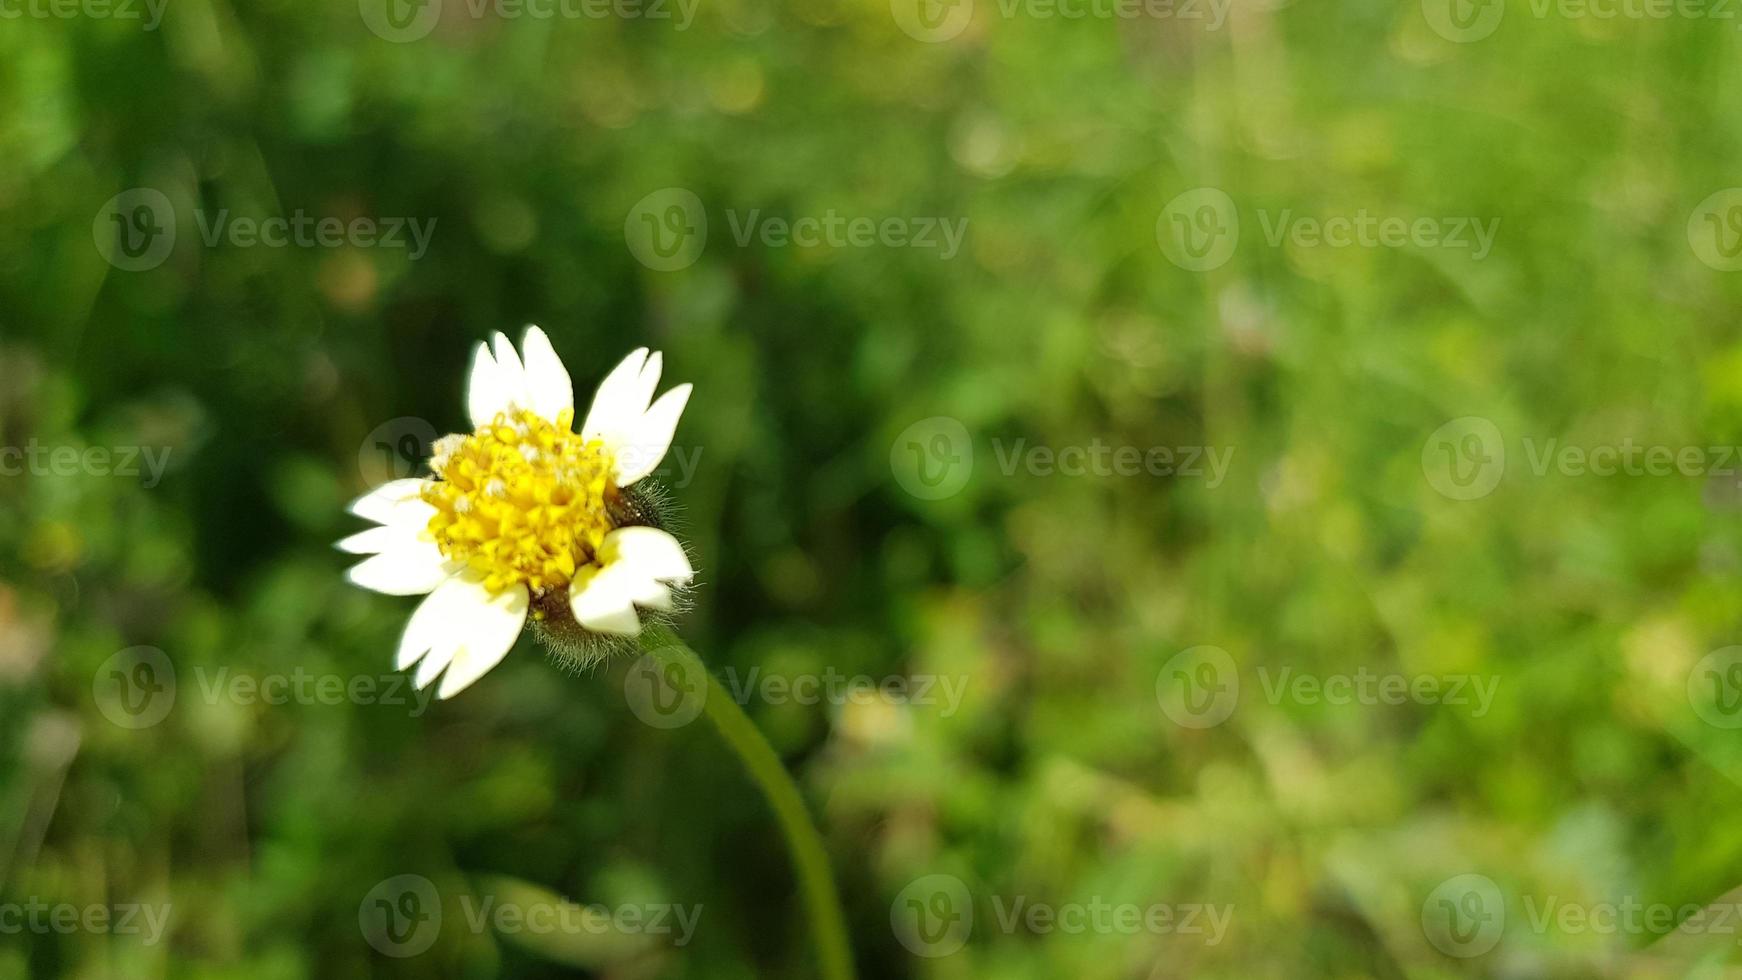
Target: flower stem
(816,878)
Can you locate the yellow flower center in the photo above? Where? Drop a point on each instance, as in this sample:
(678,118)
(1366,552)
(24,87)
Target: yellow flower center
(521,500)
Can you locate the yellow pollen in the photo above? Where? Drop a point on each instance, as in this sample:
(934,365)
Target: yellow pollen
(521,500)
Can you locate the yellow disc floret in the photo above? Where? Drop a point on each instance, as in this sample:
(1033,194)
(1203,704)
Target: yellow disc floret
(521,500)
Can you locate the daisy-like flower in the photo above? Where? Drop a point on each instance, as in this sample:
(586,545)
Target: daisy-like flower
(527,520)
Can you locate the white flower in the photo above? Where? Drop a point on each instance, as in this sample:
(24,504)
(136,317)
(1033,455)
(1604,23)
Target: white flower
(526,517)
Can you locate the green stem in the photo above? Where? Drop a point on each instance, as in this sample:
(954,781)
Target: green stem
(816,877)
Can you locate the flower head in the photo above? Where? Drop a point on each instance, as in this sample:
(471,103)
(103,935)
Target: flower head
(526,519)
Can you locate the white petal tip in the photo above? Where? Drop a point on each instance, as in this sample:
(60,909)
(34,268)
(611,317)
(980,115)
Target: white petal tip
(627,624)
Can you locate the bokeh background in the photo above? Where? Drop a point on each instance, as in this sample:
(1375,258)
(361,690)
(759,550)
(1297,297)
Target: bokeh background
(859,503)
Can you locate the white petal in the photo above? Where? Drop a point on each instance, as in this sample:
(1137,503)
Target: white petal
(510,374)
(465,604)
(386,537)
(440,655)
(649,553)
(486,394)
(394,502)
(649,438)
(638,561)
(648,381)
(428,626)
(604,603)
(411,570)
(488,632)
(547,381)
(652,595)
(620,400)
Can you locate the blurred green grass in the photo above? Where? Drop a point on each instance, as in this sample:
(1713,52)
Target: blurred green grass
(264,372)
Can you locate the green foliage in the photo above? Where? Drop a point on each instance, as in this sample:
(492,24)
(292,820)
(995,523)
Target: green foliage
(266,380)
